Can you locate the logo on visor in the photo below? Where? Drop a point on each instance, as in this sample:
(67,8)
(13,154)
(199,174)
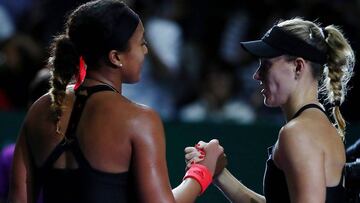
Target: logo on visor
(267,34)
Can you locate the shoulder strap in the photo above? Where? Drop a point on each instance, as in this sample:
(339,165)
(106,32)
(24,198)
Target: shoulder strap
(93,89)
(308,106)
(70,140)
(55,154)
(270,150)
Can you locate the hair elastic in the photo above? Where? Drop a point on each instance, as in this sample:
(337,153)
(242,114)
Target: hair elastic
(80,76)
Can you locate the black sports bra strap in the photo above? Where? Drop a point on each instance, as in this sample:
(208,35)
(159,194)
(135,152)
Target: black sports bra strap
(79,156)
(82,95)
(59,149)
(70,140)
(93,89)
(308,106)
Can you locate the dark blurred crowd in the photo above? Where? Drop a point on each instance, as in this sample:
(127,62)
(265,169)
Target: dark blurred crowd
(196,70)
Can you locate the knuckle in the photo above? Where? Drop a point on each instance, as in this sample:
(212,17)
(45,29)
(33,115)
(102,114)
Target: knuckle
(215,140)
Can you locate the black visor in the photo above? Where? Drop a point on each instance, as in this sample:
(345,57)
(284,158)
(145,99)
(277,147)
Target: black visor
(277,42)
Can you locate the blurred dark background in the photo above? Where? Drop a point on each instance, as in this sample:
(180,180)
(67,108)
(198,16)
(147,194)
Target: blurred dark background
(196,75)
(196,69)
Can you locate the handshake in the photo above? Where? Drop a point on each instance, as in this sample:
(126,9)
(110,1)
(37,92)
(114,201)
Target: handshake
(204,161)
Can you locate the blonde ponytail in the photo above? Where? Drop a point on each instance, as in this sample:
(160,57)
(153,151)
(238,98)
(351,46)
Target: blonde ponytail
(338,71)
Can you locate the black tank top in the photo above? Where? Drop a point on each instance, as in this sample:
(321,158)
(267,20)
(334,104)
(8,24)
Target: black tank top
(275,187)
(83,184)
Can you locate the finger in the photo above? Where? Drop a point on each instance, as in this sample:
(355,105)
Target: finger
(216,141)
(189,163)
(201,144)
(214,147)
(212,144)
(198,159)
(189,149)
(194,161)
(192,155)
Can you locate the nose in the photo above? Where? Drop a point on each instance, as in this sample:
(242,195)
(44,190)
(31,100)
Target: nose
(145,49)
(256,75)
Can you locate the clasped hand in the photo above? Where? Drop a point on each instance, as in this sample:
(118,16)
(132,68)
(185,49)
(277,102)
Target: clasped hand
(210,154)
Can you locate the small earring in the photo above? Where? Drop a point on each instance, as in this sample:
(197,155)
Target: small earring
(121,65)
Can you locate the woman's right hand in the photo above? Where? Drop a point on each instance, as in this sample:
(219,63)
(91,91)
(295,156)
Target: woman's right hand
(209,154)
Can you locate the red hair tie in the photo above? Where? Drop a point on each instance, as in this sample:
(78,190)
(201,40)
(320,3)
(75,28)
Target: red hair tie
(82,73)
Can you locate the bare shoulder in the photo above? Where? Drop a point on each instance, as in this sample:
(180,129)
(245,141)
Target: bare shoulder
(137,117)
(145,118)
(296,144)
(125,107)
(42,102)
(144,115)
(147,127)
(294,132)
(311,127)
(40,108)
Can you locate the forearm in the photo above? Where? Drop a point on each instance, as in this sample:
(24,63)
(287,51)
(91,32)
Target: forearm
(236,191)
(187,191)
(17,197)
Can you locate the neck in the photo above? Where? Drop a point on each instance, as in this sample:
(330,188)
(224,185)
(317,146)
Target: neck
(93,78)
(299,99)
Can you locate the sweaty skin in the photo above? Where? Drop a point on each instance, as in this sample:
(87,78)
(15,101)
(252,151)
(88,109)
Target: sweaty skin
(114,134)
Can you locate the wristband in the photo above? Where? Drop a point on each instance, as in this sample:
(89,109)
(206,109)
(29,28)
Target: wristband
(201,174)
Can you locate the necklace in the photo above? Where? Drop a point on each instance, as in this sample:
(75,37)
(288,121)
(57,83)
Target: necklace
(104,83)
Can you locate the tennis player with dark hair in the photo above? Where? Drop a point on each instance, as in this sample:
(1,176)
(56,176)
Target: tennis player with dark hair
(88,143)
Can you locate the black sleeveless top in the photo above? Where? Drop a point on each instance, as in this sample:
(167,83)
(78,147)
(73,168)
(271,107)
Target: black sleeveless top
(83,184)
(275,186)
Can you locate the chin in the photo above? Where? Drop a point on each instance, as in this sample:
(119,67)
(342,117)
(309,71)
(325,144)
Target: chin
(136,80)
(132,80)
(270,103)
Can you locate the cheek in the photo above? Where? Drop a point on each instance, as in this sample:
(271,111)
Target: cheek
(279,90)
(138,63)
(134,66)
(284,90)
(137,58)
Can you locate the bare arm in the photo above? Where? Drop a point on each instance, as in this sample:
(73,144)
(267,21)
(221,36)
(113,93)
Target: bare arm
(21,180)
(235,191)
(303,164)
(150,165)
